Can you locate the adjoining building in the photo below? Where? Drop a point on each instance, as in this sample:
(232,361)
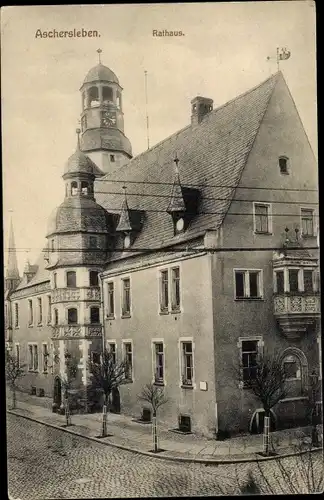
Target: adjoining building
(187,260)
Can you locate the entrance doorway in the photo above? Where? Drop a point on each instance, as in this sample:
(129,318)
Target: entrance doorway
(115,401)
(257,421)
(57,398)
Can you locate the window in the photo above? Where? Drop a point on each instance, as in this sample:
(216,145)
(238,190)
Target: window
(187,363)
(17,354)
(93,242)
(128,353)
(16,315)
(283,165)
(307,222)
(126,300)
(72,316)
(33,357)
(45,358)
(83,123)
(71,279)
(112,350)
(158,362)
(84,188)
(49,310)
(93,97)
(248,284)
(40,311)
(56,317)
(96,358)
(308,281)
(94,315)
(52,245)
(262,219)
(55,280)
(280,281)
(111,300)
(164,304)
(52,357)
(94,278)
(74,188)
(291,365)
(249,353)
(175,298)
(293,280)
(30,312)
(112,158)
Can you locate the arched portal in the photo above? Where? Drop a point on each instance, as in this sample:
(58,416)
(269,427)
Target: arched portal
(257,421)
(57,397)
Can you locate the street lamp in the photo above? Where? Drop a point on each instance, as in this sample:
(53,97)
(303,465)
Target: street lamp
(314,382)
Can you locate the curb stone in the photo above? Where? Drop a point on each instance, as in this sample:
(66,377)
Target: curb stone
(206,461)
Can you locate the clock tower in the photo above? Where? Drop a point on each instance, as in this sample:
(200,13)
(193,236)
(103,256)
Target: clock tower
(102,119)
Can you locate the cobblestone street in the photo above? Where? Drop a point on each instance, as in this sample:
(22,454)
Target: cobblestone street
(47,463)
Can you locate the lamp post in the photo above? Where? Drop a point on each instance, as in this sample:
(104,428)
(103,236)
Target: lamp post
(314,382)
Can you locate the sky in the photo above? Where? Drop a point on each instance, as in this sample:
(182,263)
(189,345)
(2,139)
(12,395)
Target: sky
(222,54)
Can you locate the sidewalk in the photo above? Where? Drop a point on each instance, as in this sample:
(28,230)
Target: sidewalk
(128,434)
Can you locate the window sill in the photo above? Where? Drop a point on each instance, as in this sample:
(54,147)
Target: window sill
(31,325)
(284,173)
(308,236)
(128,381)
(110,316)
(16,327)
(164,312)
(159,383)
(269,233)
(249,299)
(297,398)
(175,311)
(33,371)
(39,324)
(186,386)
(124,316)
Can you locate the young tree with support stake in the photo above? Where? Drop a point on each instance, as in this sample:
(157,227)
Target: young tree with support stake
(107,375)
(154,395)
(14,371)
(266,380)
(71,368)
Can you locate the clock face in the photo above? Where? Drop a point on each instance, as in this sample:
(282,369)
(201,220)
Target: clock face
(108,119)
(180,224)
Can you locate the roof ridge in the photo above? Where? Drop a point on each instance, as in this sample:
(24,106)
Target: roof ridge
(274,76)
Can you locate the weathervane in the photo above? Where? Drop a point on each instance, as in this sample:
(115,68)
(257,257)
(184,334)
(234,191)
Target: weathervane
(282,55)
(99,52)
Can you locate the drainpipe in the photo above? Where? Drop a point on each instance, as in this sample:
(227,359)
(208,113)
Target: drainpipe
(102,311)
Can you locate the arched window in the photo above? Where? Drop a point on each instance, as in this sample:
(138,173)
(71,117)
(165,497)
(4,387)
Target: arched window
(119,102)
(72,316)
(93,97)
(295,366)
(74,188)
(84,103)
(94,315)
(283,165)
(55,280)
(94,278)
(56,317)
(84,188)
(107,95)
(71,279)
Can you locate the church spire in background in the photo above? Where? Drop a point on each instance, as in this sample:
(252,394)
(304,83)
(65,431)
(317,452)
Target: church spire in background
(12,273)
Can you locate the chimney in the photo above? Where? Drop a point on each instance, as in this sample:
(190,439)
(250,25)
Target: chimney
(200,106)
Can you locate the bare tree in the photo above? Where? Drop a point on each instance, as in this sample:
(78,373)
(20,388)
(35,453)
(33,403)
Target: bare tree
(14,371)
(301,473)
(107,375)
(154,395)
(67,379)
(266,380)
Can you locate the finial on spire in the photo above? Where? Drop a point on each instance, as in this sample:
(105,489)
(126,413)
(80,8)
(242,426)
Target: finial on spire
(78,131)
(124,189)
(176,161)
(99,52)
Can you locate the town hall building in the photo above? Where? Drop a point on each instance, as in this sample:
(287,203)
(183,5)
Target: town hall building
(187,261)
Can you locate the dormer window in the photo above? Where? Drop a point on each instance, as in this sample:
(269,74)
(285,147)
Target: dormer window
(283,165)
(127,241)
(179,226)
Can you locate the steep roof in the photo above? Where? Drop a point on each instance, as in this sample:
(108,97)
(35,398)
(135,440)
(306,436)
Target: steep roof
(40,276)
(211,155)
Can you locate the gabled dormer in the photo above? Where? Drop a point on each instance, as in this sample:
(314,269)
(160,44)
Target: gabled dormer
(183,204)
(130,222)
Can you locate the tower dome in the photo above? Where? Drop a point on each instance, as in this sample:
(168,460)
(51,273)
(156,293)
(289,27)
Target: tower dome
(78,162)
(100,73)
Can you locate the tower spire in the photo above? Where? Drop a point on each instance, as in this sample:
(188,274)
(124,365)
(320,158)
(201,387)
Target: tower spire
(12,272)
(99,52)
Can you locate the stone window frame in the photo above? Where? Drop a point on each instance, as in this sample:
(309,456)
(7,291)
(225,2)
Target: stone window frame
(30,313)
(17,353)
(269,217)
(181,342)
(16,314)
(287,165)
(246,272)
(303,216)
(31,366)
(39,311)
(109,343)
(124,353)
(260,349)
(156,380)
(110,292)
(45,355)
(124,313)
